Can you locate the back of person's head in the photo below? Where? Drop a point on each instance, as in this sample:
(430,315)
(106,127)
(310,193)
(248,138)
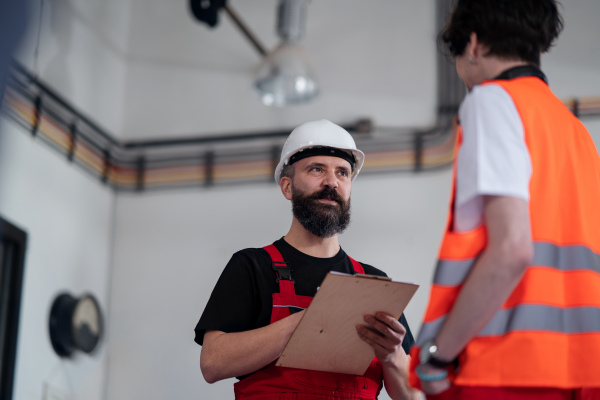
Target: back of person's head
(512,29)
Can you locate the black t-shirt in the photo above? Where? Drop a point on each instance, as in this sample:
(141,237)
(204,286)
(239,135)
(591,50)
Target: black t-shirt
(242,298)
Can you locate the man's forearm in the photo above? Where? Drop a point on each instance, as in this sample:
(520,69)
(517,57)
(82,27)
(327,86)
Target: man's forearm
(226,355)
(489,285)
(493,277)
(395,380)
(386,335)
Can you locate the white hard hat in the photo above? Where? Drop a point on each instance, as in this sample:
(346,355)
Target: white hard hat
(316,134)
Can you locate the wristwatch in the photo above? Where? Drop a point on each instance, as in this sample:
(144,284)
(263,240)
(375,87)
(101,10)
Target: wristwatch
(428,354)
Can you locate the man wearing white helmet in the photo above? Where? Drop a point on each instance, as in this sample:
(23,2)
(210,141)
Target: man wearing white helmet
(260,296)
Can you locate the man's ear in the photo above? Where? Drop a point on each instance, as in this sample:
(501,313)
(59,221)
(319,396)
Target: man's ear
(476,48)
(471,49)
(285,183)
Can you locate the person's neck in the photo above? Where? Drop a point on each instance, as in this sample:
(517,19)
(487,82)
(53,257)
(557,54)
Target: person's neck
(496,66)
(310,244)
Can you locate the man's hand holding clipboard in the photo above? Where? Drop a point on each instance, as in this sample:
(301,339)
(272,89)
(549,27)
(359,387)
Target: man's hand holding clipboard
(326,338)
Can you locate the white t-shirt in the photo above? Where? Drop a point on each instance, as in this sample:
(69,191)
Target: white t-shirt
(493,158)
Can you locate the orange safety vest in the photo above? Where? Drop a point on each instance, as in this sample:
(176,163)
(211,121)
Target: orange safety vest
(547,333)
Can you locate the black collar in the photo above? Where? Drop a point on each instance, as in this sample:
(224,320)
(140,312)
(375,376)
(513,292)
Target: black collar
(522,70)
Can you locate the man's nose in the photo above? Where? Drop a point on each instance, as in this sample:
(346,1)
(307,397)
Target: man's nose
(331,180)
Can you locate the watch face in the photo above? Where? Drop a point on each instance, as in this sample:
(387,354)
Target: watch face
(428,349)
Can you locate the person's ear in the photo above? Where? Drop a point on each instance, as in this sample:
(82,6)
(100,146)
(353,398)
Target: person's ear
(285,183)
(473,50)
(477,48)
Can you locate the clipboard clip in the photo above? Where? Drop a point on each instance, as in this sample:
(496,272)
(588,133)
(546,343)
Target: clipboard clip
(283,270)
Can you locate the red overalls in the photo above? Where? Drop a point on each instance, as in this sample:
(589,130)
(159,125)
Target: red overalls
(283,383)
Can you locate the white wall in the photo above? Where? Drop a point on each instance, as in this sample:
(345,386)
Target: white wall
(573,65)
(80,53)
(68,216)
(593,126)
(69,219)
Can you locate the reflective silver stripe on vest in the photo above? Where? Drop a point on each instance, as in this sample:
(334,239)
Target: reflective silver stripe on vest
(452,273)
(430,330)
(564,258)
(528,317)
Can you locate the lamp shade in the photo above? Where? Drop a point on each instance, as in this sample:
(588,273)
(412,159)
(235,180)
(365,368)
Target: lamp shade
(286,77)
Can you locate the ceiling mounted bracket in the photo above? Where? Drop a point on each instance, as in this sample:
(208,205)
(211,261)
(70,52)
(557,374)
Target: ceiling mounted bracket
(286,75)
(207,11)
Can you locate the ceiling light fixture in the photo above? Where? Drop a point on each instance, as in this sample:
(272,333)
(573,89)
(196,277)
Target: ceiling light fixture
(286,76)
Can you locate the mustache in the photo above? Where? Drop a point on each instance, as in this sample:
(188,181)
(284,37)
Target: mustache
(328,194)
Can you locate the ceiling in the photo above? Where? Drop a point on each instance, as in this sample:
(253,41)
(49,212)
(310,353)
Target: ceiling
(367,56)
(147,69)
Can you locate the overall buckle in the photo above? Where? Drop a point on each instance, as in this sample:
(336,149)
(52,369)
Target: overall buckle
(283,271)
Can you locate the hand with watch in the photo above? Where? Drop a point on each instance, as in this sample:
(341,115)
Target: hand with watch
(433,370)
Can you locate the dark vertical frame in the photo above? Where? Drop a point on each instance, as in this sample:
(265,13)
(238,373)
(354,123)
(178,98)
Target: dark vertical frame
(13,243)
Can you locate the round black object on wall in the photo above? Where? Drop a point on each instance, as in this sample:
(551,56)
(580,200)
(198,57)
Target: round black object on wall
(75,324)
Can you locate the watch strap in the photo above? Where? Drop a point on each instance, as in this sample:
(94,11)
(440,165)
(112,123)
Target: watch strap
(436,362)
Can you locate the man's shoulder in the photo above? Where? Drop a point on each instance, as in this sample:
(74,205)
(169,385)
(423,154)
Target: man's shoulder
(250,254)
(371,270)
(248,265)
(486,98)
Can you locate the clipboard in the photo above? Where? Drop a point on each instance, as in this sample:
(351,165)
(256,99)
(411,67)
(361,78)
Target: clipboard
(326,337)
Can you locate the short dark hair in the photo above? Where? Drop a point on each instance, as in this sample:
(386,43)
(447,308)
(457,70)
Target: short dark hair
(287,170)
(513,29)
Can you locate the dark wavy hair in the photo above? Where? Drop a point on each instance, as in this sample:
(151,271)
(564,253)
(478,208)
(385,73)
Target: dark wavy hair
(513,29)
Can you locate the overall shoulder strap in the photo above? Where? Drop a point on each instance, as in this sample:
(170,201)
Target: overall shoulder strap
(282,270)
(358,269)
